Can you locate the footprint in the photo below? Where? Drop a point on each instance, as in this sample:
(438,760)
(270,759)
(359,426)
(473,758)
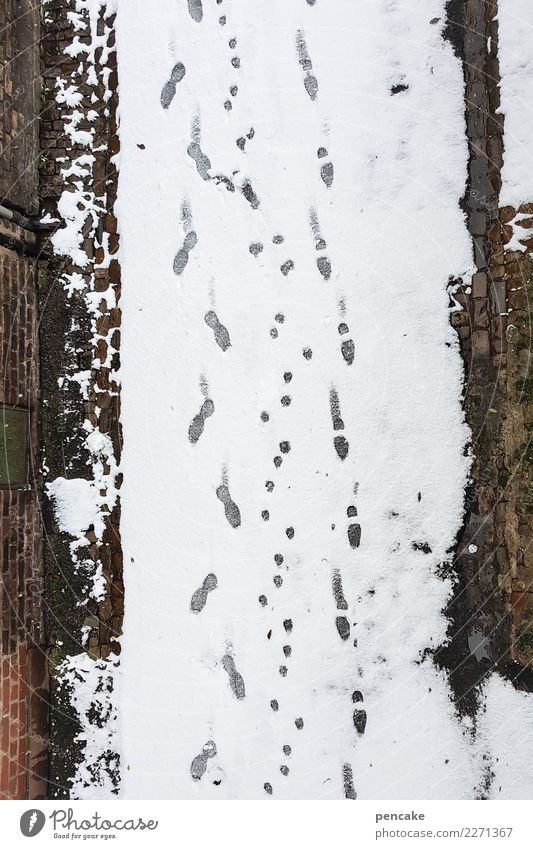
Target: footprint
(320,242)
(195,10)
(396,89)
(222,337)
(203,163)
(255,248)
(284,770)
(268,788)
(321,152)
(338,593)
(249,194)
(347,778)
(354,535)
(287,750)
(168,91)
(310,81)
(324,266)
(342,446)
(334,405)
(348,351)
(199,597)
(182,257)
(343,627)
(199,763)
(287,267)
(236,680)
(233,514)
(299,723)
(326,173)
(347,346)
(226,181)
(287,624)
(196,427)
(359,720)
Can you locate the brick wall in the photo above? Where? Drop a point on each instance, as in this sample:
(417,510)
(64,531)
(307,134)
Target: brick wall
(23,685)
(23,662)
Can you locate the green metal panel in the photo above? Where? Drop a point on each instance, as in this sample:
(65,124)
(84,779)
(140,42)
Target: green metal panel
(13,446)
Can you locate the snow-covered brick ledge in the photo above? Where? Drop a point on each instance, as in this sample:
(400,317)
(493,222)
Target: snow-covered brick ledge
(81,157)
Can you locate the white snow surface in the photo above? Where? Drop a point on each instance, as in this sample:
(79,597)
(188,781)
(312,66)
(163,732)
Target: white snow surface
(395,235)
(515,32)
(76,503)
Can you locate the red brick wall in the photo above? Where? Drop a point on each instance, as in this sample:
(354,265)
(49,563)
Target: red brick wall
(23,655)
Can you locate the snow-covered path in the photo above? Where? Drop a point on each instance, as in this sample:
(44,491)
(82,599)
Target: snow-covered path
(289,181)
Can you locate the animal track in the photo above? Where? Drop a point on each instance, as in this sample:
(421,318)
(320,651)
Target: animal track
(199,596)
(199,763)
(195,10)
(196,427)
(236,680)
(168,92)
(233,514)
(310,81)
(222,337)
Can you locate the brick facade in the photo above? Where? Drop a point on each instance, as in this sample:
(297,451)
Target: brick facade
(23,673)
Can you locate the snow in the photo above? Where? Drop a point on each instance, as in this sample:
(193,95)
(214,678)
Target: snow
(395,235)
(505,730)
(515,26)
(76,504)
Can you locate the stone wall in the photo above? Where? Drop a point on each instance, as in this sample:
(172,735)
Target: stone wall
(491,611)
(23,674)
(77,339)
